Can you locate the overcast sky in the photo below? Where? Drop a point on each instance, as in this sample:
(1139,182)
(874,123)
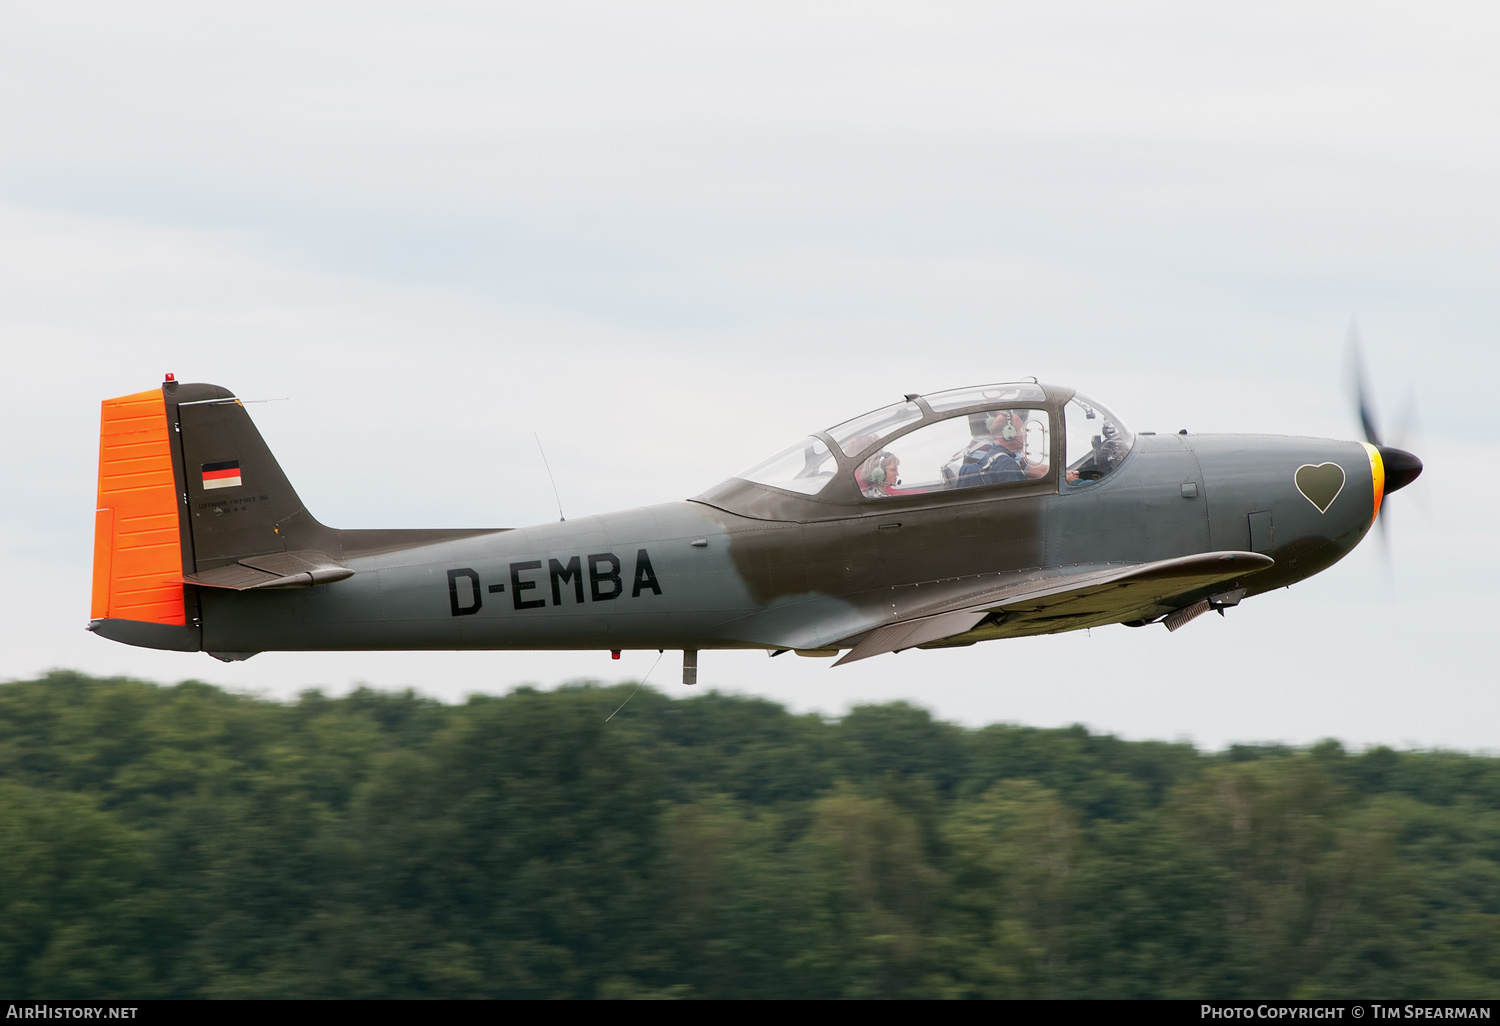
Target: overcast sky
(670,238)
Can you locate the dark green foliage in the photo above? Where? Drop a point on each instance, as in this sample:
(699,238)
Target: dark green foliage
(187,842)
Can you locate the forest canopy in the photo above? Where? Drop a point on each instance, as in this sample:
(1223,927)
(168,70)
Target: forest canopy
(188,842)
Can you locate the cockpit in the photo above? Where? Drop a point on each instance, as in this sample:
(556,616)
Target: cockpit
(998,436)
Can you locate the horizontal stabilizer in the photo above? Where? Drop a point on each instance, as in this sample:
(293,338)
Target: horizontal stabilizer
(274,570)
(1093,595)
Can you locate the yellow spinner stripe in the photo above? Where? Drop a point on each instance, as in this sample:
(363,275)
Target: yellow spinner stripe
(1377,478)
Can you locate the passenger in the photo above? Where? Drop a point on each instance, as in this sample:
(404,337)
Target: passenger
(996,460)
(879,475)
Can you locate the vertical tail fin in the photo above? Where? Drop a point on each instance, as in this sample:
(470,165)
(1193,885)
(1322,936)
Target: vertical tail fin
(191,501)
(238,503)
(186,484)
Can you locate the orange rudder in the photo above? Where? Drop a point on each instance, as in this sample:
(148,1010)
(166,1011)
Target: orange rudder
(137,544)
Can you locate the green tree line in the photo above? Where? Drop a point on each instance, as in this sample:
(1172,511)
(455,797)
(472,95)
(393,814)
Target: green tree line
(187,842)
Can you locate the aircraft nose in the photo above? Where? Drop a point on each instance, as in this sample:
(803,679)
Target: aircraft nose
(1401,467)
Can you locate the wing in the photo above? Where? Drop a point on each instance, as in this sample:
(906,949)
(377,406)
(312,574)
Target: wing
(1042,602)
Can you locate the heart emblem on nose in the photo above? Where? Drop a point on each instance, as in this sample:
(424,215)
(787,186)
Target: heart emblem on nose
(1320,484)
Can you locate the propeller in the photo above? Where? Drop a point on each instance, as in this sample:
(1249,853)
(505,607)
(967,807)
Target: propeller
(1401,467)
(1408,434)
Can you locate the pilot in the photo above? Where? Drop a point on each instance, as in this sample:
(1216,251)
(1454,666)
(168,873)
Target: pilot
(879,475)
(998,459)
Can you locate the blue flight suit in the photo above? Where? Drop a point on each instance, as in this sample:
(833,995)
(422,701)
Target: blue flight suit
(987,465)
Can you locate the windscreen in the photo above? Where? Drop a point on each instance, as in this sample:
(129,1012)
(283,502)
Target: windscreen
(1098,441)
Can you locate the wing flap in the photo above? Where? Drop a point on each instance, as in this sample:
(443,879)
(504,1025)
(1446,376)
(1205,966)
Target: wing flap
(911,633)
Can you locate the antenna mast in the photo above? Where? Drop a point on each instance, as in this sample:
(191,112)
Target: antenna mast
(560,517)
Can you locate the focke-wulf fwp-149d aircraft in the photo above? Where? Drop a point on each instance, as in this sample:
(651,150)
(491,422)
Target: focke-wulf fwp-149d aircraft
(997,511)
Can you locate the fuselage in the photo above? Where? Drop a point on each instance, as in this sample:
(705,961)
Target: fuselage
(694,575)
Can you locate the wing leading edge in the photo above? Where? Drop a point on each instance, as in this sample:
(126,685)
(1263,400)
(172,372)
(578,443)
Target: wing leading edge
(1061,599)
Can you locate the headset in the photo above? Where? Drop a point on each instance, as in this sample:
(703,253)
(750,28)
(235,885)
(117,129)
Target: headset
(876,474)
(1008,431)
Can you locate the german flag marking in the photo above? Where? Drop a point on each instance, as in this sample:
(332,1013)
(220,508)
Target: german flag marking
(225,474)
